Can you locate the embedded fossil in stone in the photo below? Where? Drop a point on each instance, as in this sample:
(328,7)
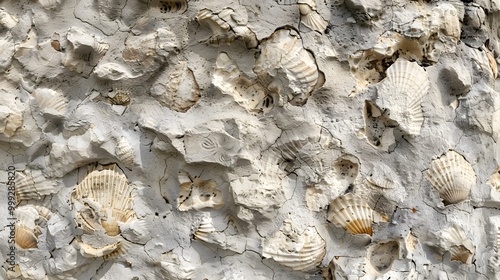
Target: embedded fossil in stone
(169,6)
(196,193)
(33,184)
(352,213)
(453,240)
(227,26)
(452,176)
(382,255)
(83,51)
(124,151)
(7,20)
(298,251)
(287,68)
(379,129)
(310,17)
(51,103)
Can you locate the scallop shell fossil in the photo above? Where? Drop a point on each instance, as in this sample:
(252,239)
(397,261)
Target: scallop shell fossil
(287,68)
(298,251)
(196,193)
(310,17)
(34,185)
(169,6)
(228,25)
(452,176)
(454,240)
(83,51)
(352,213)
(30,220)
(106,199)
(249,94)
(401,92)
(111,9)
(204,229)
(51,103)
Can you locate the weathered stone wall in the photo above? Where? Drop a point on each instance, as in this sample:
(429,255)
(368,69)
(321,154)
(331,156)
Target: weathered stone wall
(287,139)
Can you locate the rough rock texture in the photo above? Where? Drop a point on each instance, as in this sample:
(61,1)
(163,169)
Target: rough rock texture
(287,139)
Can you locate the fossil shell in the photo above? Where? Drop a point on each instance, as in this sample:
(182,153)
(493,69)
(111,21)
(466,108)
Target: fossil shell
(83,51)
(34,185)
(181,92)
(169,6)
(310,17)
(196,193)
(30,219)
(402,92)
(453,240)
(111,9)
(107,199)
(283,58)
(124,152)
(347,168)
(7,20)
(49,4)
(227,26)
(51,103)
(352,213)
(452,176)
(8,48)
(217,147)
(298,251)
(119,96)
(204,229)
(107,252)
(492,62)
(250,94)
(382,255)
(383,177)
(494,180)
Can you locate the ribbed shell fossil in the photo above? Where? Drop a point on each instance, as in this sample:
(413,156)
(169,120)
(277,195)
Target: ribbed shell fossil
(402,92)
(298,251)
(454,240)
(290,69)
(30,220)
(124,151)
(352,213)
(494,180)
(107,199)
(34,185)
(51,103)
(227,26)
(196,193)
(452,176)
(169,6)
(310,17)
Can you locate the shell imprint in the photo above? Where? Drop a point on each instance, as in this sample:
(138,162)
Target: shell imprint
(352,213)
(401,92)
(298,251)
(196,193)
(310,17)
(452,176)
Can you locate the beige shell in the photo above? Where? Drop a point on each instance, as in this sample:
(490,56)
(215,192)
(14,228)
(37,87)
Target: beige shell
(107,199)
(107,252)
(310,17)
(32,184)
(169,6)
(283,58)
(178,89)
(298,251)
(381,256)
(119,96)
(452,176)
(30,220)
(352,213)
(7,20)
(196,194)
(249,94)
(402,92)
(124,151)
(494,180)
(491,61)
(453,240)
(51,103)
(227,26)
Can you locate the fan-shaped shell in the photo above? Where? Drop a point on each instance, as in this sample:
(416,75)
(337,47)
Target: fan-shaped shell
(51,103)
(30,219)
(352,213)
(452,176)
(454,240)
(196,193)
(283,57)
(119,96)
(494,180)
(249,94)
(84,51)
(112,9)
(298,251)
(310,17)
(34,185)
(402,92)
(169,6)
(108,198)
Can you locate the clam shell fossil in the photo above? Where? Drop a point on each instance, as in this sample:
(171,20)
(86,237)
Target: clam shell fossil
(196,193)
(452,176)
(494,180)
(291,69)
(298,251)
(32,184)
(51,103)
(111,9)
(453,240)
(30,220)
(205,228)
(401,92)
(352,213)
(310,17)
(107,199)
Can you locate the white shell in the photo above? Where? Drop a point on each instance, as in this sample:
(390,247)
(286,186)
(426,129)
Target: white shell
(227,26)
(382,255)
(283,58)
(177,89)
(51,103)
(452,176)
(107,252)
(352,213)
(124,151)
(249,94)
(34,185)
(454,240)
(402,92)
(7,20)
(196,193)
(310,17)
(107,199)
(384,177)
(205,228)
(83,52)
(492,62)
(298,251)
